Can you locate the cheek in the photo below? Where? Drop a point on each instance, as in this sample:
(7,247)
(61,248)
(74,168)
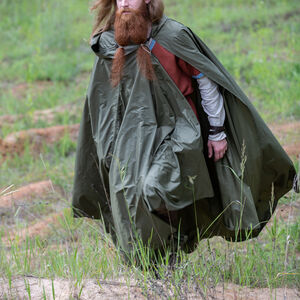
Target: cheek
(119,4)
(135,4)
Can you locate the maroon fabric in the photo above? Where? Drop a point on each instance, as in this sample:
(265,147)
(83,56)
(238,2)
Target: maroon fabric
(180,71)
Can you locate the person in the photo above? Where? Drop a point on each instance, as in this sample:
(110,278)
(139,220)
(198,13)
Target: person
(170,150)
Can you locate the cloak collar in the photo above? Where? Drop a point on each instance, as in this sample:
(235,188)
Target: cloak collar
(105,46)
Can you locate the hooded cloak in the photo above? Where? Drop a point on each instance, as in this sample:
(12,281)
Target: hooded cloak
(141,146)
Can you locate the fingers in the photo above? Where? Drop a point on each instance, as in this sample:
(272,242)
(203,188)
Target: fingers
(217,149)
(219,155)
(210,149)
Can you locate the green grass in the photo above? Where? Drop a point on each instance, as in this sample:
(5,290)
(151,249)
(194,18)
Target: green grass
(77,249)
(258,42)
(45,62)
(44,40)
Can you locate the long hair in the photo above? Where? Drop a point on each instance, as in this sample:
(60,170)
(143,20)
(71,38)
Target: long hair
(106,9)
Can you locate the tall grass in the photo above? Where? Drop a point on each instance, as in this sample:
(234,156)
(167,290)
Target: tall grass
(77,250)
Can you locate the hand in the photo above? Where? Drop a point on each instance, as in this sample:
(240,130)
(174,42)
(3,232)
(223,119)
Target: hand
(218,148)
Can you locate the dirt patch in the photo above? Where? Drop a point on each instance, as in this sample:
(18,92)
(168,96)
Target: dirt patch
(7,119)
(66,289)
(27,193)
(123,289)
(47,115)
(285,127)
(288,135)
(41,229)
(20,90)
(293,149)
(288,212)
(235,292)
(14,143)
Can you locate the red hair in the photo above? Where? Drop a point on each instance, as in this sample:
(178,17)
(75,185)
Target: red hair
(106,9)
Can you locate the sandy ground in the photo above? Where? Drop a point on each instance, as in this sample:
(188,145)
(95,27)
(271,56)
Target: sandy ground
(27,193)
(63,289)
(288,135)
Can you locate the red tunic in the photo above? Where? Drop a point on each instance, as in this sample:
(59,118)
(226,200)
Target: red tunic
(180,71)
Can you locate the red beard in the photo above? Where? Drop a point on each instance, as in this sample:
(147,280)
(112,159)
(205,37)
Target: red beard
(131,27)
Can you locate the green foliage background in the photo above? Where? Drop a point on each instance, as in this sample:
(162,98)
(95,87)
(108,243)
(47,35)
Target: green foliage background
(257,41)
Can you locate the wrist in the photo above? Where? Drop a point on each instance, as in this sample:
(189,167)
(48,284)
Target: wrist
(213,130)
(217,137)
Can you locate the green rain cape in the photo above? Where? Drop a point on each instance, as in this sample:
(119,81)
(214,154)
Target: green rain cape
(140,146)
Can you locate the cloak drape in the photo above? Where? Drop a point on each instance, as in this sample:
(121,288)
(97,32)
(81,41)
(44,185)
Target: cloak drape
(141,146)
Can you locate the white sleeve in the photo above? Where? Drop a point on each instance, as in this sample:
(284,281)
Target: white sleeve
(212,102)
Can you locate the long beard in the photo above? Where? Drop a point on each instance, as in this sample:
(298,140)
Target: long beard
(131,28)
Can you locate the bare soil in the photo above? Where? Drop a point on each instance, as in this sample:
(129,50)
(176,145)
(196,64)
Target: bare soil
(47,115)
(292,150)
(288,135)
(28,193)
(42,228)
(14,143)
(288,212)
(20,90)
(126,289)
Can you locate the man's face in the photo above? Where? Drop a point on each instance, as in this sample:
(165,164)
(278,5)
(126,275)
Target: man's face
(131,4)
(131,22)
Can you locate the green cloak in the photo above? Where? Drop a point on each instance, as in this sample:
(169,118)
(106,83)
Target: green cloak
(141,146)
